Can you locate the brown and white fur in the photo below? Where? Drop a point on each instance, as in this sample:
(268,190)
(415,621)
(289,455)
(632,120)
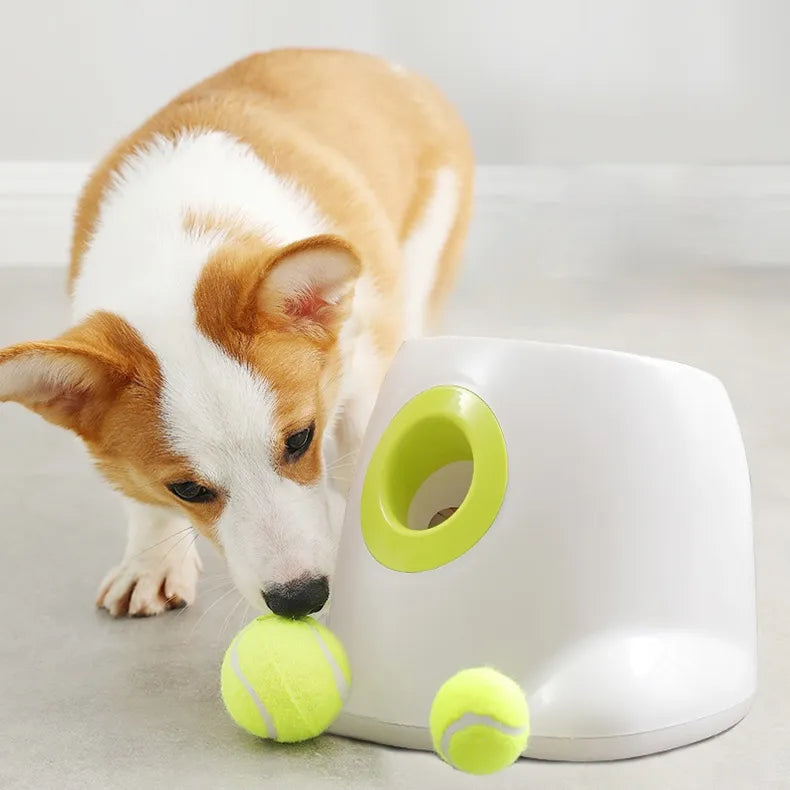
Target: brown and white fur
(244,266)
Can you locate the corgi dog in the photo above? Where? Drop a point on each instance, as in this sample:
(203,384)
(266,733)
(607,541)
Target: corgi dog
(244,267)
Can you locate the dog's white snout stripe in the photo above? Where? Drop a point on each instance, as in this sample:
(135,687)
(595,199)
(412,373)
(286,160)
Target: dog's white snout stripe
(268,722)
(470,720)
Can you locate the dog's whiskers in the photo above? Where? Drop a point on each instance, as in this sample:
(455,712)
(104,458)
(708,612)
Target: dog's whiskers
(203,615)
(223,586)
(345,465)
(229,615)
(164,540)
(347,455)
(181,540)
(348,458)
(189,547)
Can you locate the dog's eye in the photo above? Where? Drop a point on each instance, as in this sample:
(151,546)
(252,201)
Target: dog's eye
(297,443)
(190,491)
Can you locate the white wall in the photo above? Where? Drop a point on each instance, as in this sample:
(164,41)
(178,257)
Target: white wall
(76,74)
(538,80)
(543,84)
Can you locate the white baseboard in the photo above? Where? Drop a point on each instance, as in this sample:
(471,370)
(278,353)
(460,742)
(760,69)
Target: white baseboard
(557,218)
(584,219)
(37,201)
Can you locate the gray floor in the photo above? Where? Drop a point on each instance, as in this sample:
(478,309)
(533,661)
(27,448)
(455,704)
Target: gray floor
(88,702)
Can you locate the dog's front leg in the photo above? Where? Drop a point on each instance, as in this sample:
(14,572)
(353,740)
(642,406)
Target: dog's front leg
(160,566)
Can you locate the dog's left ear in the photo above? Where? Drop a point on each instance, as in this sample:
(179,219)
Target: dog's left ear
(65,381)
(308,285)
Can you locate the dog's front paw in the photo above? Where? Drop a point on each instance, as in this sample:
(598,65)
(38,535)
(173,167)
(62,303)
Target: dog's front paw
(152,581)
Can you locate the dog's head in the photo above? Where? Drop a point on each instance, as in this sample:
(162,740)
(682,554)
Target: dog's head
(224,414)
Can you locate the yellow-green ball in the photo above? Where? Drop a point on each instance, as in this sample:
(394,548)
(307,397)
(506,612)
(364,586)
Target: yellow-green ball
(479,721)
(285,679)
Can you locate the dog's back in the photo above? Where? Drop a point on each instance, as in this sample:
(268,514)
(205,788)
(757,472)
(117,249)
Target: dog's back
(378,149)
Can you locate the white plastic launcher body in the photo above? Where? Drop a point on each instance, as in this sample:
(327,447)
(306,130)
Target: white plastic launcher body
(578,519)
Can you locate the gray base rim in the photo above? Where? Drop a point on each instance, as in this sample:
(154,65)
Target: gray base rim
(542,747)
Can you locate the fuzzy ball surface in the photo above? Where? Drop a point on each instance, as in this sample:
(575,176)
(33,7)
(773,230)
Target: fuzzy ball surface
(285,679)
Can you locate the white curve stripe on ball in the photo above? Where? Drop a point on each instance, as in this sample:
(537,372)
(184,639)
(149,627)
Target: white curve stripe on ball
(471,720)
(268,722)
(337,672)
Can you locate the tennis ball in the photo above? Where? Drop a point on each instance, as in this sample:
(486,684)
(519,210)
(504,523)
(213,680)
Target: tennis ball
(284,679)
(479,721)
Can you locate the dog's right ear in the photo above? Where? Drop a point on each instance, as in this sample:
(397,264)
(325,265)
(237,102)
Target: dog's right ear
(307,287)
(66,381)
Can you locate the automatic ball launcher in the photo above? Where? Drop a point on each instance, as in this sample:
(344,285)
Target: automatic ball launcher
(547,551)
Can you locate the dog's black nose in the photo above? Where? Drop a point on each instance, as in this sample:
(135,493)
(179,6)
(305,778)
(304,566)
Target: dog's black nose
(297,598)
